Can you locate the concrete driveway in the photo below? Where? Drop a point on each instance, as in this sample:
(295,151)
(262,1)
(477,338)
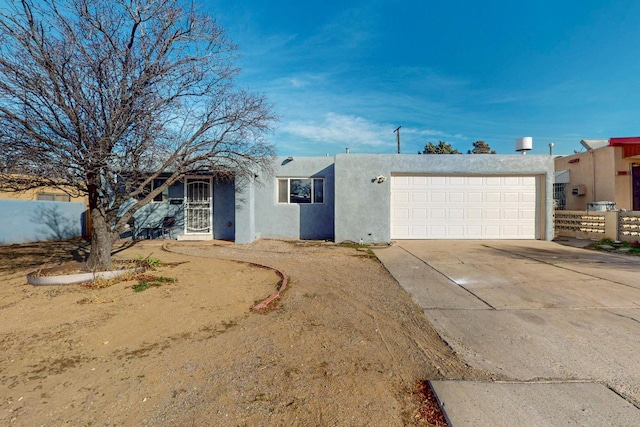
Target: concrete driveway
(559,327)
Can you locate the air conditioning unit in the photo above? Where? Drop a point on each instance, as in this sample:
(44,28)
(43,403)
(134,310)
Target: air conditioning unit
(578,190)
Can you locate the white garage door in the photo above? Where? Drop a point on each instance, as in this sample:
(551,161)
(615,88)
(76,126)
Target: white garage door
(463,207)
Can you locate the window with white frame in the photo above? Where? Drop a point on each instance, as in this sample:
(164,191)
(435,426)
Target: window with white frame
(300,190)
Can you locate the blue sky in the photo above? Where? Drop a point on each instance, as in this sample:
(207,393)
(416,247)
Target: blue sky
(347,73)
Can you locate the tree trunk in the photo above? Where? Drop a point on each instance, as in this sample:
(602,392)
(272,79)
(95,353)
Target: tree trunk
(101,243)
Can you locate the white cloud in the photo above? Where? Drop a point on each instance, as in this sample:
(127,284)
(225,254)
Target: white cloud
(342,130)
(333,132)
(427,133)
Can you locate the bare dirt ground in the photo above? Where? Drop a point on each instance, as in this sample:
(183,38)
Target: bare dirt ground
(343,346)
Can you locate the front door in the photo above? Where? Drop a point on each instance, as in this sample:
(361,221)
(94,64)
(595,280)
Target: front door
(635,184)
(198,206)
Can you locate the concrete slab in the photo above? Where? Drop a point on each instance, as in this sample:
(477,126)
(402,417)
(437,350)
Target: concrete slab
(532,311)
(533,404)
(623,274)
(428,287)
(533,275)
(556,344)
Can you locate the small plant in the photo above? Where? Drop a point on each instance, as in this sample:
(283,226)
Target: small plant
(143,285)
(149,261)
(146,282)
(609,245)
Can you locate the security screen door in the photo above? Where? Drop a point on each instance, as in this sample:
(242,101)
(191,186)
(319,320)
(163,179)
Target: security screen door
(198,206)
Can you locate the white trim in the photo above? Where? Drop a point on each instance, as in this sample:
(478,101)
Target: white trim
(209,181)
(464,206)
(313,197)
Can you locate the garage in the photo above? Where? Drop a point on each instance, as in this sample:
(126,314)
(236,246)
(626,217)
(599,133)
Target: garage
(463,207)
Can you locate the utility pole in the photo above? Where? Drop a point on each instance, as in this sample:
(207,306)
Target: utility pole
(397,130)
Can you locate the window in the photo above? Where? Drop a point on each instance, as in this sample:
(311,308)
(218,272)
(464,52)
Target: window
(53,197)
(301,190)
(559,196)
(162,197)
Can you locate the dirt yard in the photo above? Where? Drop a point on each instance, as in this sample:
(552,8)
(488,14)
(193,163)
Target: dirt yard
(343,346)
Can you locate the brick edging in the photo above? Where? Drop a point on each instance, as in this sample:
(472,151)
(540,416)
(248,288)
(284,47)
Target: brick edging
(264,303)
(274,296)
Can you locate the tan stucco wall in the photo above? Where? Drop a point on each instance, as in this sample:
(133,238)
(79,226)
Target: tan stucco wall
(32,194)
(624,188)
(598,170)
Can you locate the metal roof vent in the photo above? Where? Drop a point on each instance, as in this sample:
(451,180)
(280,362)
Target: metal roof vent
(524,144)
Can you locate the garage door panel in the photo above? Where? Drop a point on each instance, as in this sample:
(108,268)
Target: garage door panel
(401,180)
(473,213)
(419,213)
(401,196)
(456,213)
(400,214)
(474,231)
(511,197)
(438,213)
(492,231)
(419,180)
(528,230)
(492,197)
(474,197)
(419,197)
(438,197)
(455,230)
(437,181)
(456,181)
(459,207)
(491,214)
(511,214)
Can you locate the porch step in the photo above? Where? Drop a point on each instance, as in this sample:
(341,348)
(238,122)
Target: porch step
(195,237)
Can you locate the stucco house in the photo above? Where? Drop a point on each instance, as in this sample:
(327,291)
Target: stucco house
(43,213)
(609,171)
(366,198)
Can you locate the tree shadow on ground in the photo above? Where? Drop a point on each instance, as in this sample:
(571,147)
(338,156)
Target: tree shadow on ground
(35,255)
(30,255)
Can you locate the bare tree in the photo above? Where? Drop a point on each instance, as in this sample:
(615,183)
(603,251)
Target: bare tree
(104,96)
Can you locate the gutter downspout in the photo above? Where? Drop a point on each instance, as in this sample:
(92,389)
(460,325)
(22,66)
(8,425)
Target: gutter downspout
(593,176)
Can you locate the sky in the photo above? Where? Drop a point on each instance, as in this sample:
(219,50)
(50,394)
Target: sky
(347,73)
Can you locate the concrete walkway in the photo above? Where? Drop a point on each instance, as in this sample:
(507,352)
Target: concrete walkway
(560,325)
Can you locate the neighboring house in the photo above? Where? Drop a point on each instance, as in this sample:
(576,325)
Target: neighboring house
(366,198)
(45,213)
(50,194)
(609,171)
